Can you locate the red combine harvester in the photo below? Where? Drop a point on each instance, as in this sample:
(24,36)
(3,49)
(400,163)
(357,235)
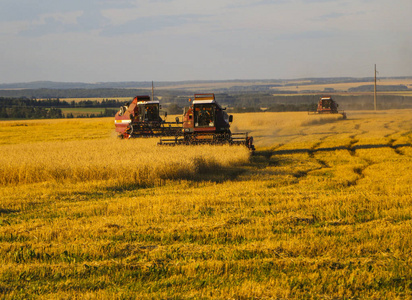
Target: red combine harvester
(206,122)
(327,105)
(141,118)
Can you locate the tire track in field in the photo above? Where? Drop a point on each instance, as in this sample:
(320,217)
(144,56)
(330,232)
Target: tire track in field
(395,148)
(311,154)
(351,147)
(314,148)
(358,170)
(264,158)
(388,127)
(394,138)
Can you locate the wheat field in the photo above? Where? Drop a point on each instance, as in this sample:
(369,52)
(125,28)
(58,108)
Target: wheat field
(322,210)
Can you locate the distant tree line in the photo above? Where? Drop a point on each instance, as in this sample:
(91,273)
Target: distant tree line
(30,113)
(24,108)
(56,102)
(86,93)
(46,113)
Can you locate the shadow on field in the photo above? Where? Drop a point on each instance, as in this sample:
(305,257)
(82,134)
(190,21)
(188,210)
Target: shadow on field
(324,119)
(7,211)
(219,174)
(120,188)
(268,153)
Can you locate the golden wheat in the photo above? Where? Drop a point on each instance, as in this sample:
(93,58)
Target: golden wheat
(322,210)
(129,161)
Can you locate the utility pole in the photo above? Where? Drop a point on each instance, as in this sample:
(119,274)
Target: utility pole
(374,94)
(153,91)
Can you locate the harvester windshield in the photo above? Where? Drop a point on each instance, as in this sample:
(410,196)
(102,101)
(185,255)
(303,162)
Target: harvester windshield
(152,112)
(326,103)
(204,115)
(148,112)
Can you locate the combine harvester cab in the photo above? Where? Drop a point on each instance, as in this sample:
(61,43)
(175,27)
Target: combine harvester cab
(327,105)
(141,118)
(206,122)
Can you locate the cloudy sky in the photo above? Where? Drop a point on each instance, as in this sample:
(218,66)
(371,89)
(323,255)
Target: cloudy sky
(173,40)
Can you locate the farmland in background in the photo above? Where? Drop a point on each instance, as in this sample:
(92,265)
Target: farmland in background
(319,84)
(80,100)
(86,111)
(321,210)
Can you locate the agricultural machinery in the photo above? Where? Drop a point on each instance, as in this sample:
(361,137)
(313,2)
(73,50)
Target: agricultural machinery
(327,105)
(141,118)
(206,122)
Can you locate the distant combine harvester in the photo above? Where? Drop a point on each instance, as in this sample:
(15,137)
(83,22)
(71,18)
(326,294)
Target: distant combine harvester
(327,105)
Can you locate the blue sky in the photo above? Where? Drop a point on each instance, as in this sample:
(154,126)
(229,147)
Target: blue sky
(173,40)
